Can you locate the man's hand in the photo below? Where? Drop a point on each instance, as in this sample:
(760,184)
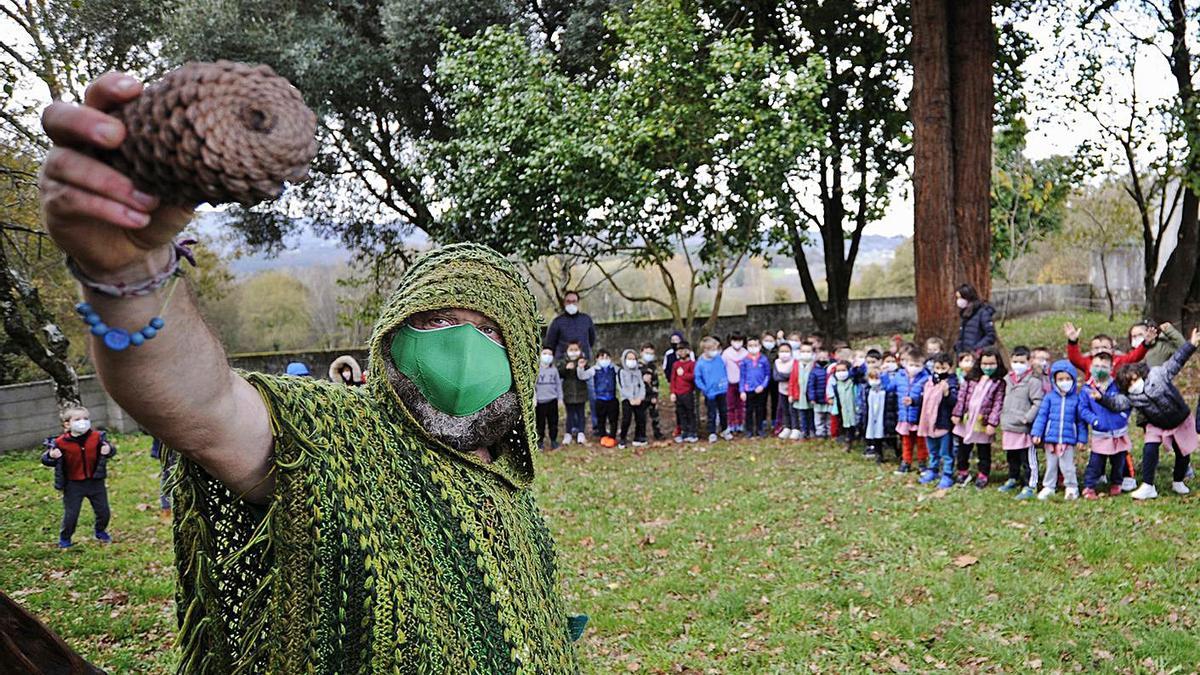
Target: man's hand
(105,449)
(1195,339)
(55,453)
(113,231)
(1071,331)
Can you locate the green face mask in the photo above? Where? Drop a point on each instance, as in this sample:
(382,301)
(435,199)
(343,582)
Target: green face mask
(458,369)
(988,370)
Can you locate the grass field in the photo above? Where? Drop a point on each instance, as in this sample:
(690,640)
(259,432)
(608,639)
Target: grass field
(738,557)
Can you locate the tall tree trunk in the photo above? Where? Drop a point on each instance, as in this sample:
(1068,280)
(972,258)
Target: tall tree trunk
(952,102)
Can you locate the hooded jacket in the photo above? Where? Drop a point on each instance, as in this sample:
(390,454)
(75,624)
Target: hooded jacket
(1058,419)
(913,387)
(1100,420)
(382,549)
(710,377)
(1023,396)
(976,328)
(1160,403)
(356,374)
(629,380)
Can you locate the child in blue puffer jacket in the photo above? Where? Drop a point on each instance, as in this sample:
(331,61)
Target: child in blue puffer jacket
(909,385)
(1061,430)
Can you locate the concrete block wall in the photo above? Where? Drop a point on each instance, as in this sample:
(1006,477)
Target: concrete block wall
(29,413)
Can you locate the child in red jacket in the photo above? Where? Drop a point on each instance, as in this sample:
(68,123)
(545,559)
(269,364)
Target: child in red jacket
(683,393)
(80,460)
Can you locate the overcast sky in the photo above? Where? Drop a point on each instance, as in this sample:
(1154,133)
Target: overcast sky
(1051,132)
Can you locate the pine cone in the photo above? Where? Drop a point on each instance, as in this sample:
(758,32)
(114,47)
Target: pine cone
(217,132)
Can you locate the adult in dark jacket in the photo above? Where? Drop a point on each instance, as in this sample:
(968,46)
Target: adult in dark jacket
(976,328)
(571,326)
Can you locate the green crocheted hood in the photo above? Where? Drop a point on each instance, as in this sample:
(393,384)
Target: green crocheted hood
(469,276)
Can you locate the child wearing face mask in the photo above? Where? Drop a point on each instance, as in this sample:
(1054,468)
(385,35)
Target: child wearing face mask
(1062,429)
(633,398)
(781,374)
(604,381)
(548,390)
(817,393)
(733,355)
(713,384)
(650,375)
(80,457)
(844,403)
(798,391)
(683,393)
(1153,394)
(754,375)
(841,352)
(909,384)
(770,347)
(1023,396)
(1109,430)
(575,394)
(1039,364)
(937,405)
(877,415)
(977,414)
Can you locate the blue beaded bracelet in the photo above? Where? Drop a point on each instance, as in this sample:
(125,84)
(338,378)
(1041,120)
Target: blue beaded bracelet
(119,339)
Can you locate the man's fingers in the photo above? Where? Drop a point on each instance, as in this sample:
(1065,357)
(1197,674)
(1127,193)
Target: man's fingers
(111,89)
(90,174)
(81,126)
(63,202)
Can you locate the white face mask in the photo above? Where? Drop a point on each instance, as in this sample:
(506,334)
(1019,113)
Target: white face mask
(873,382)
(805,356)
(768,345)
(572,308)
(1064,385)
(648,358)
(572,354)
(1137,341)
(736,344)
(631,363)
(842,375)
(962,303)
(785,357)
(794,343)
(80,426)
(888,367)
(913,370)
(754,350)
(1020,368)
(1137,387)
(547,359)
(603,363)
(712,354)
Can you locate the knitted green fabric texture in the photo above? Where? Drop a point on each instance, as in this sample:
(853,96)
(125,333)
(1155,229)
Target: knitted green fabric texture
(382,550)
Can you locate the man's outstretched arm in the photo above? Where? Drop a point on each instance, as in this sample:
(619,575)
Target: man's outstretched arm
(178,385)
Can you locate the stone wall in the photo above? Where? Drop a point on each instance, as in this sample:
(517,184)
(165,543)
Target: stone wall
(29,412)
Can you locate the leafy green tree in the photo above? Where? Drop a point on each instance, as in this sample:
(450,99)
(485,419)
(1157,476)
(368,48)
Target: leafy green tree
(275,313)
(1102,219)
(683,148)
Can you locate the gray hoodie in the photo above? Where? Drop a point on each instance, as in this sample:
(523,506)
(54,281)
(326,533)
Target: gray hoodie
(1022,397)
(549,384)
(629,380)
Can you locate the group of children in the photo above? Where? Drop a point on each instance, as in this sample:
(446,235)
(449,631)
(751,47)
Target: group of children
(933,409)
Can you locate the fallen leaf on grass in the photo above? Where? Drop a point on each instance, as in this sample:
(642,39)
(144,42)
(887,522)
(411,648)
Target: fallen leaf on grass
(115,597)
(965,560)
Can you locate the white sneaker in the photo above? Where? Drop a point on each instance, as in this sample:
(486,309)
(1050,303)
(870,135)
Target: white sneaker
(1146,491)
(796,435)
(785,432)
(679,439)
(727,435)
(712,438)
(639,444)
(1179,488)
(1046,493)
(1072,493)
(567,439)
(1128,484)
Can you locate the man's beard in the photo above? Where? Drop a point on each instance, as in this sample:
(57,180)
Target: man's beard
(481,429)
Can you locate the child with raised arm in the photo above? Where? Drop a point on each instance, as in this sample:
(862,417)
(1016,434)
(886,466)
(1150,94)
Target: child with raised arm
(80,459)
(1153,394)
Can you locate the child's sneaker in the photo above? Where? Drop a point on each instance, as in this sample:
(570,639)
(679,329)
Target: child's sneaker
(1114,490)
(1026,493)
(1179,488)
(1190,473)
(927,476)
(103,538)
(1089,493)
(1145,491)
(945,483)
(796,435)
(65,543)
(712,438)
(580,438)
(679,439)
(1046,493)
(785,433)
(1129,484)
(727,435)
(981,481)
(1010,485)
(566,439)
(692,439)
(1072,494)
(639,444)
(903,469)
(962,478)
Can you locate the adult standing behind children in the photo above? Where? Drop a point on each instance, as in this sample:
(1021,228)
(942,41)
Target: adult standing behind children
(976,328)
(570,326)
(80,459)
